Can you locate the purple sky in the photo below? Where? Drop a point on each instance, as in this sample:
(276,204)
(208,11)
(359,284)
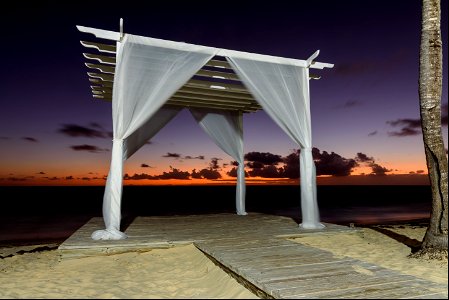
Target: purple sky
(367,104)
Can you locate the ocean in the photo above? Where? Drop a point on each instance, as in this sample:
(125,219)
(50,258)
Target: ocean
(34,214)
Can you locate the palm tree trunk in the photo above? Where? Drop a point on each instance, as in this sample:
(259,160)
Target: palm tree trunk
(430,85)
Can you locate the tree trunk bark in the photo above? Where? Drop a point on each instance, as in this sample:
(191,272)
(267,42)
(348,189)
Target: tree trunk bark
(430,85)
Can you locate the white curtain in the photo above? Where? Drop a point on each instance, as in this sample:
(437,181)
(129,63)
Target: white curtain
(148,73)
(283,92)
(226,130)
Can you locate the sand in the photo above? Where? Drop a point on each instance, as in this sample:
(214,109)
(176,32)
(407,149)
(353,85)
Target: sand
(184,272)
(180,272)
(386,246)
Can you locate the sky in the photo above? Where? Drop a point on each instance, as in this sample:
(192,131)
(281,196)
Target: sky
(365,111)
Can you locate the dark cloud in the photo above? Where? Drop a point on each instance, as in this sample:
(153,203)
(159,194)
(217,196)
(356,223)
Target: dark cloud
(410,127)
(214,163)
(30,139)
(53,178)
(145,166)
(196,157)
(42,173)
(233,173)
(16,179)
(88,148)
(378,170)
(420,172)
(138,177)
(234,163)
(361,157)
(173,155)
(264,158)
(69,177)
(74,130)
(209,174)
(332,164)
(195,174)
(175,174)
(269,171)
(349,104)
(372,133)
(95,125)
(85,178)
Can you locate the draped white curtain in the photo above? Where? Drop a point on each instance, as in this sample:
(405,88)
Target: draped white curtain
(148,73)
(226,130)
(283,92)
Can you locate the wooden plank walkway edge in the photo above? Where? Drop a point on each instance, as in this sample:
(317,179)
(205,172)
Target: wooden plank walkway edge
(240,279)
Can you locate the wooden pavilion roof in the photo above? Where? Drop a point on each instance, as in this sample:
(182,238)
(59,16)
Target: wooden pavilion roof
(215,85)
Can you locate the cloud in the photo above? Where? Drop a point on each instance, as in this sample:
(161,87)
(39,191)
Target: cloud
(175,174)
(376,169)
(233,172)
(209,174)
(53,178)
(420,172)
(361,157)
(88,148)
(69,177)
(173,155)
(332,164)
(269,171)
(30,139)
(74,130)
(410,127)
(264,158)
(138,177)
(214,163)
(4,138)
(196,157)
(16,179)
(85,178)
(349,104)
(372,133)
(145,166)
(42,173)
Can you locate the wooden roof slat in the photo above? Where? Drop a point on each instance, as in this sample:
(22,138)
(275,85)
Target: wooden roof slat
(101,82)
(110,60)
(101,68)
(105,48)
(217,74)
(102,76)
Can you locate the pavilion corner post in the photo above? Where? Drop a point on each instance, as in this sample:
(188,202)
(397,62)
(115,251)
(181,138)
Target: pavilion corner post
(113,197)
(307,171)
(241,186)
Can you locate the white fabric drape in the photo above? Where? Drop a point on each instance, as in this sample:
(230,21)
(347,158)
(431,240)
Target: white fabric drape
(147,74)
(226,130)
(283,92)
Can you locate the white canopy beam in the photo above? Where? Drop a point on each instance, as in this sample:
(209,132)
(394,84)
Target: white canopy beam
(115,36)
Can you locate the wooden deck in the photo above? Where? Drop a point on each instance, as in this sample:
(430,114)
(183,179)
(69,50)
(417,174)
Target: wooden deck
(256,251)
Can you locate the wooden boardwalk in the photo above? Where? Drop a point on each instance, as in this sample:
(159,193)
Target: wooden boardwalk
(256,251)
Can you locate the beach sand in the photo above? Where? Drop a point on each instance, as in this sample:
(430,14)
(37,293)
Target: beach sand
(184,272)
(387,246)
(180,272)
